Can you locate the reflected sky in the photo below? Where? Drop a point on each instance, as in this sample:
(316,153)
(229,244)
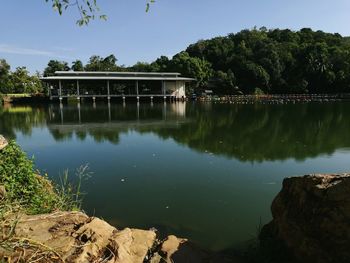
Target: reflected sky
(204,171)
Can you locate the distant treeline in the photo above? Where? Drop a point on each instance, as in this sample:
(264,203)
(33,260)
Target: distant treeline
(18,81)
(248,62)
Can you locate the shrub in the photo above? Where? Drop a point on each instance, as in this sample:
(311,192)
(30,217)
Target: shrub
(23,184)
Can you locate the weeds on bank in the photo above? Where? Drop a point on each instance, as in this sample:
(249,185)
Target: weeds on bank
(70,195)
(36,193)
(24,191)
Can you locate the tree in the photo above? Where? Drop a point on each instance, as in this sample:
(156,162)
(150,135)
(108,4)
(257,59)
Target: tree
(77,65)
(22,82)
(225,83)
(5,85)
(142,67)
(198,68)
(55,65)
(97,63)
(161,64)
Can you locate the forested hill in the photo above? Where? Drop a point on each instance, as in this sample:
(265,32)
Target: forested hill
(268,61)
(248,62)
(277,61)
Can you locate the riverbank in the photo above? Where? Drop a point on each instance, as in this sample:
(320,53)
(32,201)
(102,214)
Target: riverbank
(277,98)
(231,99)
(42,222)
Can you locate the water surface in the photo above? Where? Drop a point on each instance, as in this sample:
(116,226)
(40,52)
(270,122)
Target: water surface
(204,171)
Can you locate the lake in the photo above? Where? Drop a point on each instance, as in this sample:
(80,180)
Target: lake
(204,171)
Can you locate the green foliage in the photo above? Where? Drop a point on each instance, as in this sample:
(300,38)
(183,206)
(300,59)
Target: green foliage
(35,193)
(19,81)
(77,66)
(22,183)
(5,84)
(198,68)
(71,194)
(55,65)
(97,63)
(277,61)
(22,82)
(88,9)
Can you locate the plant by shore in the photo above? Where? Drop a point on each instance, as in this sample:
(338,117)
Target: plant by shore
(35,193)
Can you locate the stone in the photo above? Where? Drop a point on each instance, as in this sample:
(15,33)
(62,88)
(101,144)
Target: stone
(76,237)
(170,246)
(311,217)
(3,142)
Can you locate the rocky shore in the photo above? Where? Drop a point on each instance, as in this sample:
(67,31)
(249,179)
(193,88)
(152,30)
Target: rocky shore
(76,237)
(311,219)
(311,223)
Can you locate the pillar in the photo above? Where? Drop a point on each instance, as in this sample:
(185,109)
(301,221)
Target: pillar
(60,88)
(108,91)
(79,112)
(78,90)
(137,87)
(163,87)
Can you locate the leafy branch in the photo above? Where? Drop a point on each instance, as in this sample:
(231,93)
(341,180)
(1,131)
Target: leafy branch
(88,9)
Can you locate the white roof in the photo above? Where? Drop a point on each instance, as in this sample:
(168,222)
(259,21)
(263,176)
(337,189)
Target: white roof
(104,75)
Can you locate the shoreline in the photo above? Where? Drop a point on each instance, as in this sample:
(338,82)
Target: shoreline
(308,209)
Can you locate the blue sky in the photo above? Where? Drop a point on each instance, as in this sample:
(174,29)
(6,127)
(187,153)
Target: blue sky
(31,33)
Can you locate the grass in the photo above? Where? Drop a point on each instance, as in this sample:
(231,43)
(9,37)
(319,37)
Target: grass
(35,192)
(27,192)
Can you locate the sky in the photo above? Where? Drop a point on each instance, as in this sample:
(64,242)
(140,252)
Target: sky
(31,33)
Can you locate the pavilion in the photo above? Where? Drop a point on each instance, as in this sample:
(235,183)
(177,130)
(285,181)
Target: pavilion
(82,84)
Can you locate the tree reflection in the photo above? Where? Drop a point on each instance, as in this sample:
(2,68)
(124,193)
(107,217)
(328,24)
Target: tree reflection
(252,133)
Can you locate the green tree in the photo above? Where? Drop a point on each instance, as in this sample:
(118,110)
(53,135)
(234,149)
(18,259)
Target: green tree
(97,63)
(22,82)
(77,65)
(55,65)
(5,84)
(198,68)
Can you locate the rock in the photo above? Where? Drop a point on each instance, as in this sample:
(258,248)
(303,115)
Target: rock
(3,142)
(75,237)
(311,217)
(170,246)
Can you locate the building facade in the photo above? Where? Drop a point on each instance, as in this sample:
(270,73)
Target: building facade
(81,84)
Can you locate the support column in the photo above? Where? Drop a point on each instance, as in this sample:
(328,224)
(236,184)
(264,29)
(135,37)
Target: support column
(60,89)
(163,87)
(108,91)
(109,112)
(61,112)
(49,90)
(78,90)
(137,87)
(79,113)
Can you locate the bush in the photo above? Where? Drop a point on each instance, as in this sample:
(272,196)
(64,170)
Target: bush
(23,184)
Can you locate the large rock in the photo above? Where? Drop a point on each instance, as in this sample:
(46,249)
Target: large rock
(3,142)
(311,217)
(75,237)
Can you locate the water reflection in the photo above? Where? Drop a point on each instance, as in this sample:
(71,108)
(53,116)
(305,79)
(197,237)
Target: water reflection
(252,133)
(204,171)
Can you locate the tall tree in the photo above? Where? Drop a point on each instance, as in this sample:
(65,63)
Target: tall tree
(5,84)
(77,65)
(198,68)
(55,65)
(97,63)
(24,83)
